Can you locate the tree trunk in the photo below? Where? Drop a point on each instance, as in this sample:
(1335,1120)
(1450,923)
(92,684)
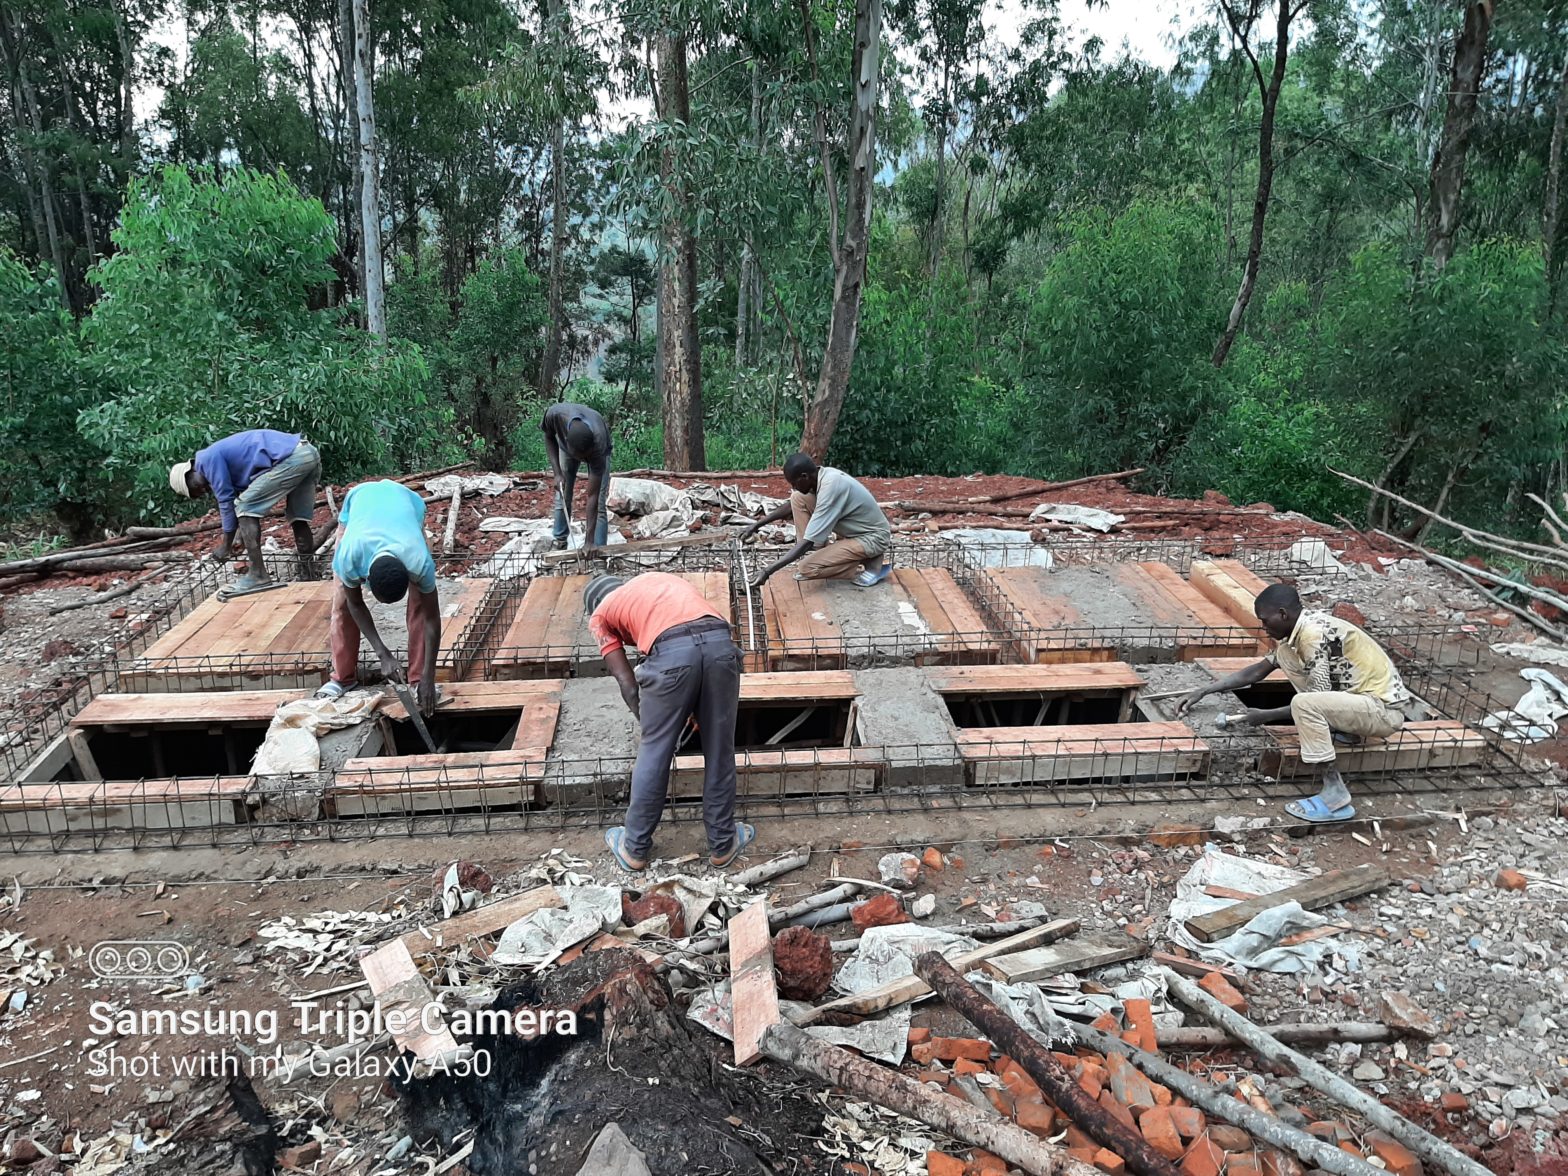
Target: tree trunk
(127,44)
(939,203)
(1448,166)
(1269,92)
(838,356)
(747,278)
(680,362)
(369,173)
(28,124)
(550,364)
(1551,211)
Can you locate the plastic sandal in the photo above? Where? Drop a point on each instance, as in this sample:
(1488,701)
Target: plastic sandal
(870,579)
(248,585)
(334,690)
(615,838)
(1313,809)
(744,835)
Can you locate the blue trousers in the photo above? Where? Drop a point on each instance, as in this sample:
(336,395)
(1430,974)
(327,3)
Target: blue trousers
(693,670)
(601,529)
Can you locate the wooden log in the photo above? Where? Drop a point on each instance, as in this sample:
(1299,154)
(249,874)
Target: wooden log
(118,563)
(96,553)
(908,988)
(944,1112)
(112,594)
(449,540)
(16,581)
(1324,890)
(767,871)
(1038,1062)
(1077,956)
(1424,1144)
(753,997)
(1203,1037)
(1221,1105)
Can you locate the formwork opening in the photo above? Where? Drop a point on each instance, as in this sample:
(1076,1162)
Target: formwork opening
(1268,696)
(803,724)
(1032,710)
(458,732)
(150,752)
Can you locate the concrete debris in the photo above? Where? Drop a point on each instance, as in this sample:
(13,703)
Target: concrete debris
(612,1154)
(899,869)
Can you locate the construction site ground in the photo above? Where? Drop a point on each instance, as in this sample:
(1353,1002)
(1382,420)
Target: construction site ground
(1485,961)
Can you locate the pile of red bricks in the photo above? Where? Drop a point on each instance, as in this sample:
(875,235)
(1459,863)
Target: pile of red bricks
(1169,1123)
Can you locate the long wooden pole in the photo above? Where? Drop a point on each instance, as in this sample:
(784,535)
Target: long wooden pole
(1424,1144)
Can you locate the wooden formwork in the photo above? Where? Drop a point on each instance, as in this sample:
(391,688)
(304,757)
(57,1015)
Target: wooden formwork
(1111,680)
(1417,746)
(1092,752)
(1051,628)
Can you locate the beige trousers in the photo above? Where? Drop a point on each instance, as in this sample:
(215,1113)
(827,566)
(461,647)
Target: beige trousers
(841,559)
(1319,713)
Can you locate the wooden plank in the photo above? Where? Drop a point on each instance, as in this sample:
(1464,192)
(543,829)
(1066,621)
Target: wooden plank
(753,996)
(955,628)
(1226,593)
(1155,587)
(483,920)
(795,772)
(803,685)
(1417,746)
(1044,615)
(1245,577)
(490,779)
(1078,955)
(1054,679)
(1196,968)
(310,630)
(461,697)
(1324,890)
(1224,667)
(806,636)
(405,1001)
(54,808)
(193,622)
(194,709)
(537,726)
(257,620)
(1210,615)
(457,623)
(908,988)
(1019,755)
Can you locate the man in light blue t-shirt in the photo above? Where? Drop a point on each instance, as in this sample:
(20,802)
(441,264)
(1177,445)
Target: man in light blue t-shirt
(381,543)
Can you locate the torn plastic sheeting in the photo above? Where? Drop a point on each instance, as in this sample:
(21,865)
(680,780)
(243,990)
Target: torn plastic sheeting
(995,548)
(885,1039)
(539,937)
(636,497)
(1027,1004)
(660,523)
(519,555)
(1543,653)
(696,896)
(488,484)
(1315,554)
(888,953)
(733,499)
(1076,516)
(1534,717)
(1256,944)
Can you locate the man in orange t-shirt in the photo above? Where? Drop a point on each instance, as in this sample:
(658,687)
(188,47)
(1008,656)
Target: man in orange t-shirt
(690,670)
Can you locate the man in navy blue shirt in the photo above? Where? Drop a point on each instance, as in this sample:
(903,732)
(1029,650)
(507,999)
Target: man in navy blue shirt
(249,473)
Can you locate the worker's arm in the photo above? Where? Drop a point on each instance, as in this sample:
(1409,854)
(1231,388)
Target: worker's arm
(216,471)
(1257,716)
(790,557)
(430,633)
(777,514)
(1240,680)
(354,598)
(552,451)
(621,670)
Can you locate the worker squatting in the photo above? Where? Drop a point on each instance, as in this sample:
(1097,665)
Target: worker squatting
(688,677)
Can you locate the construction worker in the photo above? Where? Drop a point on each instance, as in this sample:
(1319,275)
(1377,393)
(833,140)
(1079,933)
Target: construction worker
(575,435)
(249,473)
(690,671)
(381,544)
(1346,689)
(826,502)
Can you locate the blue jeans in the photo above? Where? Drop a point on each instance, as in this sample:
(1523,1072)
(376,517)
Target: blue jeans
(692,670)
(601,530)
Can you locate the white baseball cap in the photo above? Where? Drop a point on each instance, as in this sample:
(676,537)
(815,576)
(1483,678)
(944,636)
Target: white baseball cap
(177,481)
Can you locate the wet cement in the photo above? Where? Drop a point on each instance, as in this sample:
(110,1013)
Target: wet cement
(900,711)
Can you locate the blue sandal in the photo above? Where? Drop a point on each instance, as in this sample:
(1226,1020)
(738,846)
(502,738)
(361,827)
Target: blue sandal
(615,838)
(870,579)
(1313,809)
(744,835)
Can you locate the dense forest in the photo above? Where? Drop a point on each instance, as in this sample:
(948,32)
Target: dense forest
(930,236)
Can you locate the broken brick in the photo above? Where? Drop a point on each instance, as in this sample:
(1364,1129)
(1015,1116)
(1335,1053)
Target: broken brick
(1202,1158)
(650,906)
(1109,1102)
(1330,1131)
(1091,1079)
(1396,1157)
(1160,1132)
(1223,991)
(1243,1163)
(1140,1015)
(942,1164)
(1106,1022)
(1403,1015)
(939,1077)
(1189,1121)
(1509,879)
(956,862)
(1109,1162)
(1036,1117)
(949,1049)
(1453,1102)
(1077,1137)
(1170,836)
(303,1156)
(1084,1155)
(984,1161)
(923,1052)
(918,1035)
(882,911)
(966,1068)
(932,858)
(802,962)
(1228,1138)
(1002,1100)
(1018,1081)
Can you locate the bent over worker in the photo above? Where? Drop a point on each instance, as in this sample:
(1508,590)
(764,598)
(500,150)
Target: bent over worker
(381,544)
(1346,689)
(576,435)
(825,502)
(249,473)
(690,671)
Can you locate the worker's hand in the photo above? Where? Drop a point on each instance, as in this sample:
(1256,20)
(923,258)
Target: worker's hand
(630,695)
(761,579)
(426,696)
(391,670)
(748,532)
(1191,700)
(1253,717)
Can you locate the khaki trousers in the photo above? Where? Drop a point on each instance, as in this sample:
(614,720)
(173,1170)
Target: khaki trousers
(841,559)
(1319,713)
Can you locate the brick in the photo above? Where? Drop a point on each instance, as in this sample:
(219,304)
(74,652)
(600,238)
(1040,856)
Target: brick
(1453,1102)
(981,1160)
(1351,1149)
(1202,1158)
(1109,1162)
(1279,1163)
(1396,1157)
(919,1036)
(1084,1155)
(965,1067)
(1190,1121)
(956,862)
(1077,1137)
(1002,1100)
(1036,1117)
(1000,1063)
(1509,879)
(1106,1023)
(1092,1080)
(1223,991)
(949,1049)
(1243,1163)
(1128,1086)
(1228,1138)
(303,1156)
(939,1077)
(1108,1101)
(932,858)
(1170,836)
(942,1164)
(1160,1133)
(882,911)
(1020,1083)
(923,1052)
(1141,1017)
(1162,1094)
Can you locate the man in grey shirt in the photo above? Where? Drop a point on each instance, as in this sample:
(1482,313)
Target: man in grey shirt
(826,502)
(576,435)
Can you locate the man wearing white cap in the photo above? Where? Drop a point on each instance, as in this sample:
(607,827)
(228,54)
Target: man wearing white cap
(249,473)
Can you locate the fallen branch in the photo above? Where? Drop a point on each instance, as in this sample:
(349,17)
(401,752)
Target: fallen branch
(1203,1037)
(1222,1105)
(119,563)
(15,581)
(450,538)
(57,559)
(1038,1062)
(113,594)
(767,871)
(1424,1144)
(973,930)
(944,1112)
(1052,487)
(697,539)
(1535,593)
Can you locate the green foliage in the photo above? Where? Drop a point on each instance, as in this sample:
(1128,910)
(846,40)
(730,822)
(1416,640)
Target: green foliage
(204,326)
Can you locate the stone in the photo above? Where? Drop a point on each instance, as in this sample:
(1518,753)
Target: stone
(1509,879)
(299,1158)
(1368,1071)
(803,963)
(1403,1015)
(612,1154)
(344,1104)
(881,911)
(923,906)
(932,858)
(24,1152)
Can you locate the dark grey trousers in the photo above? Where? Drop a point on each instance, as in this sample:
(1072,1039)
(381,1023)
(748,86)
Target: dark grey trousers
(692,670)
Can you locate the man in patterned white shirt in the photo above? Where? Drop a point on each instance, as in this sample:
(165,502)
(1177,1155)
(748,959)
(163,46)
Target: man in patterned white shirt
(1346,689)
